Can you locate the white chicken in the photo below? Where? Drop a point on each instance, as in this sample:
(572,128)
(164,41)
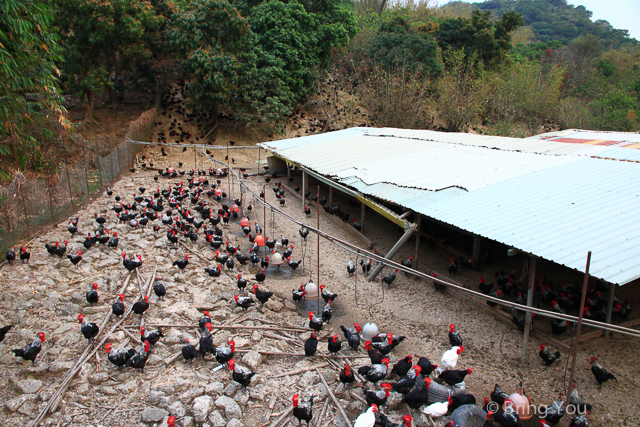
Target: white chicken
(438,409)
(450,357)
(367,419)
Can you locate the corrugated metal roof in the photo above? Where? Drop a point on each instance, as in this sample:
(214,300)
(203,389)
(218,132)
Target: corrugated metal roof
(543,197)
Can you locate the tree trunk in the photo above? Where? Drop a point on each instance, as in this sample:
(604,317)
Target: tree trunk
(114,99)
(89,117)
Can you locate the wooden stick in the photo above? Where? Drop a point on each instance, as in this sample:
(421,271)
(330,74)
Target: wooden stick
(335,401)
(355,396)
(130,335)
(139,284)
(196,252)
(273,353)
(355,372)
(282,417)
(272,403)
(259,328)
(83,279)
(300,371)
(321,416)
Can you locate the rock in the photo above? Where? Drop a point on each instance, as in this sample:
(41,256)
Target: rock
(255,336)
(231,408)
(274,305)
(234,422)
(177,409)
(252,359)
(109,391)
(154,397)
(231,388)
(45,395)
(128,387)
(14,404)
(98,378)
(188,422)
(216,419)
(173,337)
(28,386)
(28,408)
(56,367)
(151,414)
(201,408)
(189,395)
(215,387)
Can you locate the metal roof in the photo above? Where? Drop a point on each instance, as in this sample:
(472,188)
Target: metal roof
(579,136)
(550,199)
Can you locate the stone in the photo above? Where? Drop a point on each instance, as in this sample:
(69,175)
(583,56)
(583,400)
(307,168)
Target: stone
(234,422)
(98,378)
(252,359)
(28,386)
(188,422)
(274,305)
(255,336)
(177,409)
(56,367)
(109,391)
(151,414)
(128,387)
(201,408)
(215,387)
(189,395)
(13,405)
(231,388)
(216,419)
(154,397)
(231,408)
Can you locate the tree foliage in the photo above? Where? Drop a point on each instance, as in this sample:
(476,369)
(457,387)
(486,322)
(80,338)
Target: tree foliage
(28,51)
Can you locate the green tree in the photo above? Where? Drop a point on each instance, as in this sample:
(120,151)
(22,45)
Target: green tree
(28,51)
(101,40)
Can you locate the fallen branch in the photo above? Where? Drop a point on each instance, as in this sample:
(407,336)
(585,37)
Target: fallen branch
(355,396)
(335,401)
(273,353)
(267,414)
(322,412)
(225,326)
(130,335)
(195,251)
(300,371)
(282,417)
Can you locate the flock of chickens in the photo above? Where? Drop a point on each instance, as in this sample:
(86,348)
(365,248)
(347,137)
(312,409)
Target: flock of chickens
(165,211)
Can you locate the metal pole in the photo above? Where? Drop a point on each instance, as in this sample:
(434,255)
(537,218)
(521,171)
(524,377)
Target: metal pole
(527,318)
(64,150)
(418,226)
(318,254)
(574,347)
(612,290)
(405,237)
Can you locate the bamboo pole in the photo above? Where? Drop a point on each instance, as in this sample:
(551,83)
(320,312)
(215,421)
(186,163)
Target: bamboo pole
(335,401)
(300,371)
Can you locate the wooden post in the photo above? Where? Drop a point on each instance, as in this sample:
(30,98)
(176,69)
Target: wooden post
(86,171)
(527,319)
(612,291)
(64,150)
(330,196)
(288,172)
(574,347)
(363,208)
(304,188)
(50,196)
(418,224)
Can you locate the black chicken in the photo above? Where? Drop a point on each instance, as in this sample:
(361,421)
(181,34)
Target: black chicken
(141,306)
(555,411)
(3,331)
(118,307)
(24,255)
(366,266)
(261,296)
(547,356)
(311,345)
(498,396)
(334,344)
(182,263)
(31,350)
(244,302)
(88,329)
(352,335)
(346,375)
(314,322)
(189,351)
(389,278)
(327,295)
(159,289)
(239,375)
(418,396)
(327,312)
(75,259)
(454,376)
(426,366)
(92,294)
(139,359)
(118,358)
(225,354)
(302,412)
(374,354)
(375,372)
(206,341)
(204,320)
(453,267)
(601,375)
(454,337)
(405,384)
(402,367)
(152,336)
(377,397)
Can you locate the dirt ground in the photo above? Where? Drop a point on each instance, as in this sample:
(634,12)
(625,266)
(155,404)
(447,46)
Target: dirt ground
(46,297)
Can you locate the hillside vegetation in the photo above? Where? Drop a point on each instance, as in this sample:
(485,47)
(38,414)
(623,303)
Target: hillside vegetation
(504,67)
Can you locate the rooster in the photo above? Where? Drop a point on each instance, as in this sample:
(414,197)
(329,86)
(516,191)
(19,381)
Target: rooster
(378,397)
(225,354)
(327,295)
(547,356)
(454,337)
(24,255)
(453,267)
(327,312)
(299,294)
(334,344)
(260,276)
(113,243)
(244,302)
(375,372)
(405,384)
(302,412)
(88,329)
(368,418)
(204,320)
(450,357)
(293,264)
(311,345)
(485,288)
(159,289)
(374,354)
(141,306)
(555,411)
(241,283)
(402,367)
(189,351)
(427,366)
(601,375)
(30,351)
(263,297)
(453,377)
(182,263)
(578,402)
(206,341)
(75,259)
(213,272)
(406,421)
(389,278)
(152,336)
(118,307)
(139,359)
(92,294)
(315,323)
(387,345)
(352,335)
(346,375)
(351,268)
(366,266)
(418,396)
(239,375)
(118,358)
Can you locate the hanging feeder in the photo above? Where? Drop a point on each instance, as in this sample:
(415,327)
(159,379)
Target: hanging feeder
(369,331)
(234,208)
(276,259)
(244,222)
(259,241)
(311,290)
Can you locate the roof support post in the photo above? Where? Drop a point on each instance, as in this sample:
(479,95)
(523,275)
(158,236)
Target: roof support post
(304,188)
(405,237)
(612,291)
(527,319)
(418,229)
(363,208)
(330,196)
(475,252)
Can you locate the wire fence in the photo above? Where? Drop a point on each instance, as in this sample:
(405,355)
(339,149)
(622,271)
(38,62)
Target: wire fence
(28,205)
